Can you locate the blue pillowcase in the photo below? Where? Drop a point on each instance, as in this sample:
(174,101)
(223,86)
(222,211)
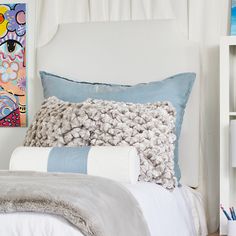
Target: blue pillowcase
(175,89)
(68,159)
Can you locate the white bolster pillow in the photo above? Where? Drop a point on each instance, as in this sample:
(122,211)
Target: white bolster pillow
(117,163)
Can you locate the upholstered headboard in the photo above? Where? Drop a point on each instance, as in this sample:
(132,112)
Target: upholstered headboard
(130,53)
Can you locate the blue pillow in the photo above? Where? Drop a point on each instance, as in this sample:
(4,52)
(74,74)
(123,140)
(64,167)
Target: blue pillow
(175,89)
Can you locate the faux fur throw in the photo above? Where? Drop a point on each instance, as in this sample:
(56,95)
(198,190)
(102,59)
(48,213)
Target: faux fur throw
(149,128)
(96,206)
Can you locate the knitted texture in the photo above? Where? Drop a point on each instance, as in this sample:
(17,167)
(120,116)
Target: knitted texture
(148,127)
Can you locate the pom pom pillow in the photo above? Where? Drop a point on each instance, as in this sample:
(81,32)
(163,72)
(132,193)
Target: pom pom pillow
(149,128)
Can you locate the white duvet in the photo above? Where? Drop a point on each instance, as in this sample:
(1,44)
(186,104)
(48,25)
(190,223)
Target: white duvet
(178,213)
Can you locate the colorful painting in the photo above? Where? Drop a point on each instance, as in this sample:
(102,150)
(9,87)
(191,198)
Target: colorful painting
(13,96)
(233,18)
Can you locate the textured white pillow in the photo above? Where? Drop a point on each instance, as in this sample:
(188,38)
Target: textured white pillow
(148,127)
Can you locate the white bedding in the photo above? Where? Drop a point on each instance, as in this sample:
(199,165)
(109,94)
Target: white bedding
(179,213)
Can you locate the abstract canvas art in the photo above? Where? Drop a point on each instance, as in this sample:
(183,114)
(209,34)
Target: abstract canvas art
(233,18)
(13,96)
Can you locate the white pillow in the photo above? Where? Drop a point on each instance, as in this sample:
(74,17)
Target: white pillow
(117,163)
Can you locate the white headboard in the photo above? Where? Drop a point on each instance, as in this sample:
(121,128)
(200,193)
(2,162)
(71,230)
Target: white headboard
(130,53)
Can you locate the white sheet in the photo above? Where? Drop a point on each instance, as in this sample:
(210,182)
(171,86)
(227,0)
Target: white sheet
(178,213)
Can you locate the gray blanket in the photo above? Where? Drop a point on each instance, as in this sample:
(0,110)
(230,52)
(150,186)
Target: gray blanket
(96,206)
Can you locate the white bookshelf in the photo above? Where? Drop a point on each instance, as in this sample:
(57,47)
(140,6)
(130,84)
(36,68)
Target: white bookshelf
(227,113)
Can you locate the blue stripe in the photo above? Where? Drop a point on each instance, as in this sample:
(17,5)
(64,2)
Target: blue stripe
(68,159)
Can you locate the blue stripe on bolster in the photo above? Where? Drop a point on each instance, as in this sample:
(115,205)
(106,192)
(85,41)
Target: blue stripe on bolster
(68,159)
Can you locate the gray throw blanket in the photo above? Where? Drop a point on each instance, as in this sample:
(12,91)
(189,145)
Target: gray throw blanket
(96,206)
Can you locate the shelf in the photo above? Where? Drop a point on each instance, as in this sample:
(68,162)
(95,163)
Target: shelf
(227,113)
(228,40)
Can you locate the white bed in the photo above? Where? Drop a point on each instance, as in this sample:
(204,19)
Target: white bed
(178,213)
(128,53)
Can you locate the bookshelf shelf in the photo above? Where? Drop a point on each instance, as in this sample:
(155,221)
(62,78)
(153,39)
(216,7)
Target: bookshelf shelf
(227,104)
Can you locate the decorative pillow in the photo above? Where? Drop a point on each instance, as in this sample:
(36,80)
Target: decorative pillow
(149,128)
(175,89)
(118,163)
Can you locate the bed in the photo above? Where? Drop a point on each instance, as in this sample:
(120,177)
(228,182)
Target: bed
(129,53)
(182,209)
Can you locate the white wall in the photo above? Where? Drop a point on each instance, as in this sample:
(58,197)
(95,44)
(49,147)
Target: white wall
(13,137)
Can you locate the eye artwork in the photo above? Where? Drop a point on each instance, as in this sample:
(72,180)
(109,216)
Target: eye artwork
(13,107)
